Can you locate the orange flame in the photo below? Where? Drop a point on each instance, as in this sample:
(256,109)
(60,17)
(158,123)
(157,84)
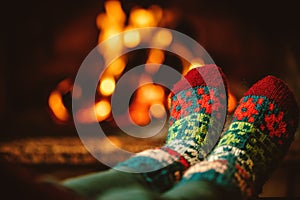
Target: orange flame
(155,56)
(232,102)
(139,113)
(55,100)
(196,62)
(150,93)
(115,12)
(132,38)
(142,18)
(117,66)
(57,107)
(85,115)
(107,86)
(102,110)
(157,110)
(163,38)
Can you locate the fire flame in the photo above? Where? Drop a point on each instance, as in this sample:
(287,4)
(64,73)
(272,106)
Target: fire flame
(232,102)
(150,99)
(112,22)
(55,101)
(102,109)
(107,86)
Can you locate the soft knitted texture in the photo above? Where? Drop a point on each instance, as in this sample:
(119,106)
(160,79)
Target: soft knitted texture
(197,97)
(256,141)
(198,104)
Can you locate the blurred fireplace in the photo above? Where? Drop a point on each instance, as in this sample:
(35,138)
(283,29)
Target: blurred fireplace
(46,44)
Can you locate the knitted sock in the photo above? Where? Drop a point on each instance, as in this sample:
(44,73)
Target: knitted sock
(195,100)
(255,143)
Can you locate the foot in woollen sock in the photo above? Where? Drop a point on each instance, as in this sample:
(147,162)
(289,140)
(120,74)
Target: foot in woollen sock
(256,141)
(195,100)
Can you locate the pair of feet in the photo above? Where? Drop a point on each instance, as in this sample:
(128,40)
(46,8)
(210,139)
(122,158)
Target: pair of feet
(244,157)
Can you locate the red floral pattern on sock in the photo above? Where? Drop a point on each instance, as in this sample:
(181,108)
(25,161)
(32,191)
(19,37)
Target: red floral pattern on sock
(246,111)
(276,125)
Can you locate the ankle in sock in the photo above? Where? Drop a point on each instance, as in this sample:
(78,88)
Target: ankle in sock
(195,100)
(197,114)
(255,143)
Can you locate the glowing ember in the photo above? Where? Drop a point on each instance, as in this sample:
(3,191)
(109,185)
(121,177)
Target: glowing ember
(86,115)
(142,18)
(197,62)
(112,21)
(155,56)
(102,110)
(107,86)
(116,68)
(55,100)
(163,38)
(157,110)
(150,98)
(232,102)
(115,12)
(132,38)
(57,107)
(139,114)
(150,93)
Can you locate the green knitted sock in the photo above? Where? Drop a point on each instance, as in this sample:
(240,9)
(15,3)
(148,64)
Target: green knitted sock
(255,143)
(198,107)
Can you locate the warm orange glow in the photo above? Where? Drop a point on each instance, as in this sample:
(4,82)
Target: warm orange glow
(102,21)
(142,18)
(149,98)
(139,114)
(115,140)
(64,86)
(157,110)
(184,52)
(232,102)
(117,66)
(112,21)
(157,12)
(197,62)
(102,110)
(57,107)
(107,86)
(155,56)
(163,38)
(86,115)
(110,32)
(132,38)
(150,93)
(91,114)
(114,43)
(169,101)
(115,12)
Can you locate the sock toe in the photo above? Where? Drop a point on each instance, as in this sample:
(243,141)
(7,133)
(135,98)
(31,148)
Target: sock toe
(277,90)
(256,141)
(210,75)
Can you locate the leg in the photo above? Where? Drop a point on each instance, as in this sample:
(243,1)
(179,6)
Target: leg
(255,143)
(203,190)
(198,111)
(192,108)
(94,184)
